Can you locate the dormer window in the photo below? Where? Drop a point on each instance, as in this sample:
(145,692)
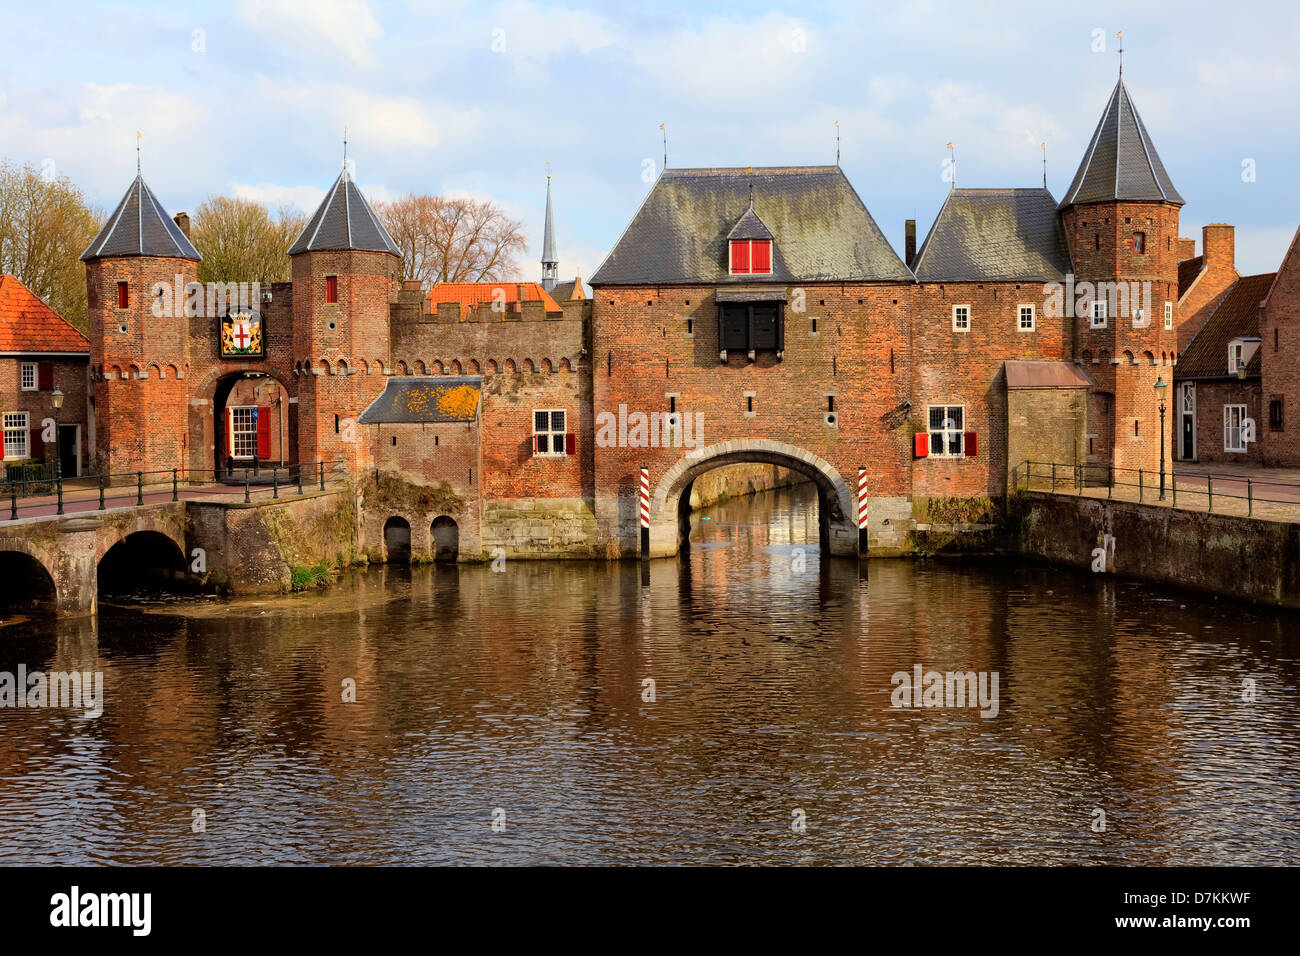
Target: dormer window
(751,257)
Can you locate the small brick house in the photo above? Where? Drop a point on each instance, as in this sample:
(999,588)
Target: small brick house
(40,352)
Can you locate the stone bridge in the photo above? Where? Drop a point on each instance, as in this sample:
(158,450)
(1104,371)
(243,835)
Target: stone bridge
(61,562)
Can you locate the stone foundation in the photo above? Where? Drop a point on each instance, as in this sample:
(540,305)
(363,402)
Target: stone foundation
(541,528)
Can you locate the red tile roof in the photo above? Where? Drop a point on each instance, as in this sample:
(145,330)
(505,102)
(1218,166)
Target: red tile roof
(470,295)
(1237,316)
(29,325)
(1188,270)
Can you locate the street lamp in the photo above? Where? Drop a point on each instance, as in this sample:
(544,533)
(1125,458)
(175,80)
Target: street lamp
(1161,387)
(57,398)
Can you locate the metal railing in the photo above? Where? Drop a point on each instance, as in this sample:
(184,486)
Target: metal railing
(124,489)
(1188,490)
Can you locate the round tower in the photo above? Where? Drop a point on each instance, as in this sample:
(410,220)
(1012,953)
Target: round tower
(136,272)
(1120,217)
(346,271)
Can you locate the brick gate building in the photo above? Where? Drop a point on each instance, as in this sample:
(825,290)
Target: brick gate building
(745,315)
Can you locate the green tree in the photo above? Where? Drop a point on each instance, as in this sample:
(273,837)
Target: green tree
(45,226)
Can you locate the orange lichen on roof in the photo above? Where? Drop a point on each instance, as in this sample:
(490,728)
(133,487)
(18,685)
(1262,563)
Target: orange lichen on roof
(29,325)
(471,295)
(459,402)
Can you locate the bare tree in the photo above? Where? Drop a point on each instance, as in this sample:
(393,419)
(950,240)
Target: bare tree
(45,226)
(241,242)
(452,240)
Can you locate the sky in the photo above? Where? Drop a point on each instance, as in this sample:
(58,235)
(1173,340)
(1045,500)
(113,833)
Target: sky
(250,98)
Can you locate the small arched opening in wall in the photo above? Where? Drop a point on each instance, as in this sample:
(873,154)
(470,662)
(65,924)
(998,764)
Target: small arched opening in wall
(143,566)
(252,418)
(397,540)
(446,538)
(25,586)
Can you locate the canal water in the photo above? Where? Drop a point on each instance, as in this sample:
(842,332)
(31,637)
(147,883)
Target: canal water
(509,717)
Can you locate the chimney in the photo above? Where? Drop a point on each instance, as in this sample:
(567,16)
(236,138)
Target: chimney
(1185,248)
(1217,245)
(909,243)
(182,220)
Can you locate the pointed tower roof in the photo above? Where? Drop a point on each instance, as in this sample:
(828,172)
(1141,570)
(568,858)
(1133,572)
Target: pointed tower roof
(750,226)
(343,221)
(140,226)
(548,237)
(1121,162)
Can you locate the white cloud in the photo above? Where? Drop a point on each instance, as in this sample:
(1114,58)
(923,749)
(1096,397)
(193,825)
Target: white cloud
(317,27)
(305,198)
(528,34)
(702,62)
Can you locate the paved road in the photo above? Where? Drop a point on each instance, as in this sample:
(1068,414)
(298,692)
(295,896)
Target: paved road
(87,500)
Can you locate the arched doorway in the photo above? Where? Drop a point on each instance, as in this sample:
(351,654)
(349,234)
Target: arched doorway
(446,538)
(141,564)
(397,540)
(253,425)
(670,501)
(25,585)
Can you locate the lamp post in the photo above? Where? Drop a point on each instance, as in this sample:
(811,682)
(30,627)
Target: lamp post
(57,399)
(1161,387)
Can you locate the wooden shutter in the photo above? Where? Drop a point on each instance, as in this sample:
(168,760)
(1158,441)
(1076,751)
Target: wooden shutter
(570,444)
(35,446)
(921,445)
(331,288)
(740,256)
(762,256)
(970,444)
(123,297)
(45,376)
(264,433)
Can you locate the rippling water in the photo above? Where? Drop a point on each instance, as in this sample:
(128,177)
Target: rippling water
(523,692)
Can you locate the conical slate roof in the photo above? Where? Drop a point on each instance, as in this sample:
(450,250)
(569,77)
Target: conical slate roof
(344,221)
(1121,161)
(140,226)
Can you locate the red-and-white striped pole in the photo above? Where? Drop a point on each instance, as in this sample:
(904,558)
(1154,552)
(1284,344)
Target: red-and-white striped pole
(862,511)
(645,512)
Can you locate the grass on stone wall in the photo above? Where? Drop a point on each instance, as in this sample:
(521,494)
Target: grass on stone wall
(308,577)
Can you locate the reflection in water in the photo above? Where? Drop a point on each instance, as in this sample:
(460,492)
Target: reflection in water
(523,691)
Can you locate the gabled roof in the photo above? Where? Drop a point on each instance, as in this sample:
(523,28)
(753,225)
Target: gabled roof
(1121,162)
(29,325)
(1188,270)
(1236,317)
(986,235)
(344,221)
(140,226)
(569,291)
(471,295)
(749,226)
(1024,374)
(822,231)
(427,399)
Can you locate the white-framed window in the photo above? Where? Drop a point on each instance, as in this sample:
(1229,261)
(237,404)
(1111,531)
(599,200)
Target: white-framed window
(1236,356)
(16,435)
(243,431)
(28,376)
(1099,313)
(961,318)
(1026,313)
(946,426)
(1234,418)
(1169,315)
(549,428)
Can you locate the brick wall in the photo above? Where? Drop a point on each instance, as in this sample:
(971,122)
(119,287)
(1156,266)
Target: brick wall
(1280,346)
(1211,396)
(1218,273)
(70,376)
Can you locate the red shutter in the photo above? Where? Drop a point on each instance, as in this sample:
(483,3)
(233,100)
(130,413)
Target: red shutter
(921,446)
(45,376)
(570,444)
(970,445)
(123,298)
(762,256)
(740,256)
(264,433)
(36,449)
(331,288)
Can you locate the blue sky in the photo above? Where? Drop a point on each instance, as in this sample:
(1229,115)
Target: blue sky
(250,98)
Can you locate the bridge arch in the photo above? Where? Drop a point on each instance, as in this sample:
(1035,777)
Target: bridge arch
(669,501)
(26,581)
(150,555)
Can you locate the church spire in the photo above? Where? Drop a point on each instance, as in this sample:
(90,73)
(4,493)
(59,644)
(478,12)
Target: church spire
(550,265)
